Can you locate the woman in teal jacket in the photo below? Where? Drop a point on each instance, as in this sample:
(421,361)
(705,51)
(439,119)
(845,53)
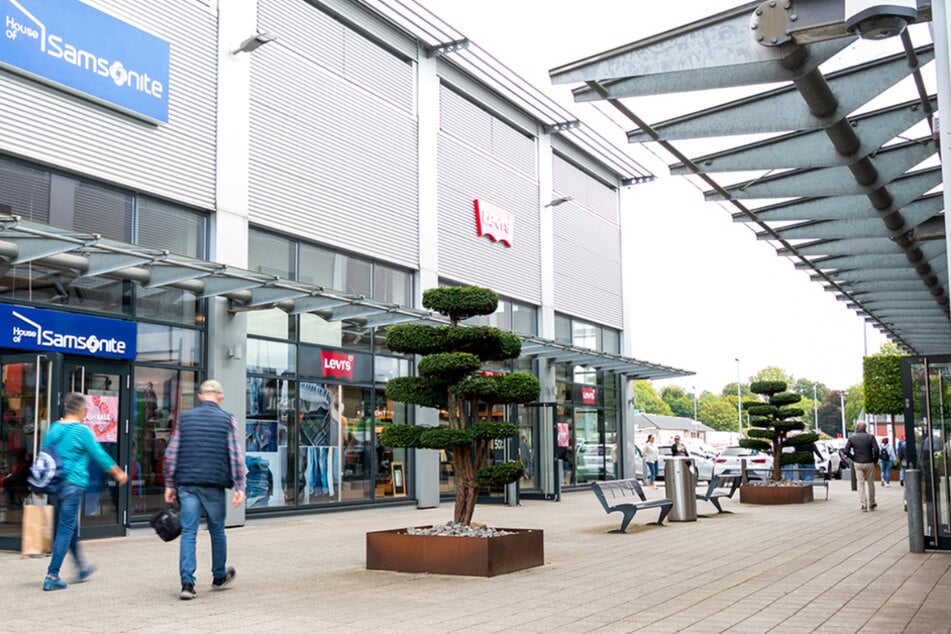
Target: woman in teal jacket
(75,444)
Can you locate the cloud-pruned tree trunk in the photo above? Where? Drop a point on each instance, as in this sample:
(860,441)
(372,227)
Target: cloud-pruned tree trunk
(446,379)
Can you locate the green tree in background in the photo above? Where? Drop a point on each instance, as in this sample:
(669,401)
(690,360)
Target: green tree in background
(679,401)
(804,387)
(730,390)
(830,419)
(854,404)
(719,412)
(772,373)
(648,401)
(890,347)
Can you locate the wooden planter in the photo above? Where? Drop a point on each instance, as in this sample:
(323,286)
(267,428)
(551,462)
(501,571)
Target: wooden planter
(792,494)
(475,556)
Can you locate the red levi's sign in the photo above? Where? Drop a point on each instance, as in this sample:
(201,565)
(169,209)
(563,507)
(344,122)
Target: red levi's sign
(588,396)
(494,222)
(337,365)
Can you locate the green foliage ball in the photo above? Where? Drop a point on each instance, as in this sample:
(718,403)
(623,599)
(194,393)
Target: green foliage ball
(451,367)
(401,436)
(482,430)
(424,391)
(767,387)
(500,474)
(461,302)
(785,398)
(445,438)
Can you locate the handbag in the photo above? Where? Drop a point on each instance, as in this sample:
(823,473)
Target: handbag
(167,524)
(37,534)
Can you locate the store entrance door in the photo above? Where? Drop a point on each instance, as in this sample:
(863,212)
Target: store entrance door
(27,393)
(106,386)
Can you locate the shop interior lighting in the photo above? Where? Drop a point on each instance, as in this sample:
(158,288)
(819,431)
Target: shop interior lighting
(253,43)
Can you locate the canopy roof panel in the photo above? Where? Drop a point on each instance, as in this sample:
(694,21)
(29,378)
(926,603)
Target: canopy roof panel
(848,181)
(91,257)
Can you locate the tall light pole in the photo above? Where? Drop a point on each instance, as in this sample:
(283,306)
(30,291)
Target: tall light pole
(842,406)
(739,406)
(694,388)
(815,407)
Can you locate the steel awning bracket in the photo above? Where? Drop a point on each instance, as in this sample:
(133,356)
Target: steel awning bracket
(31,248)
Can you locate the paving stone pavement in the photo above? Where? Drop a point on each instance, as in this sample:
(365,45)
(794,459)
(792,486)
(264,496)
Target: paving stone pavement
(819,567)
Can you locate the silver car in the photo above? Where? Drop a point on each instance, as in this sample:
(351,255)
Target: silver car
(702,466)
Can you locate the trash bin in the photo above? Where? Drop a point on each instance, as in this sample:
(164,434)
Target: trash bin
(681,488)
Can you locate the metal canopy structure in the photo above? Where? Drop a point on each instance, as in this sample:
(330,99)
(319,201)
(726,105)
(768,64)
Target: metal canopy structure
(84,255)
(843,161)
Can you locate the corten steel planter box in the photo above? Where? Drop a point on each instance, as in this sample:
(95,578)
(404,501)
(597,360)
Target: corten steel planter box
(475,556)
(793,494)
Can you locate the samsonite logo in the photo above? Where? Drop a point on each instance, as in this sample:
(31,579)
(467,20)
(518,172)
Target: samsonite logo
(38,329)
(69,43)
(337,365)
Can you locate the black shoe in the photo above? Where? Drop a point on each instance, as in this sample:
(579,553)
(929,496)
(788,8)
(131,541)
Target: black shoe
(218,584)
(188,591)
(873,506)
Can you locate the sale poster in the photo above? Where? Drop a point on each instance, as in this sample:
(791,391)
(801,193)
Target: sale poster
(102,417)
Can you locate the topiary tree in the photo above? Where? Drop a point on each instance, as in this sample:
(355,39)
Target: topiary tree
(446,380)
(771,423)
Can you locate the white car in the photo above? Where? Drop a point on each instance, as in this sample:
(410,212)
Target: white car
(729,460)
(828,465)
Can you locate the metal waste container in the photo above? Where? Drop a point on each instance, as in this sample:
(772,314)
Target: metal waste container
(681,488)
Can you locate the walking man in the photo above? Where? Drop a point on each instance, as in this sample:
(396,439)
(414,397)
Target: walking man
(862,449)
(203,459)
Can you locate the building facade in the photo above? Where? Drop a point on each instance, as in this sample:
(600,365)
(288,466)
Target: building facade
(254,190)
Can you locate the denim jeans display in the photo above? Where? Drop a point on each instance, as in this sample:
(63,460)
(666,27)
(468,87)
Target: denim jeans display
(67,504)
(195,499)
(321,470)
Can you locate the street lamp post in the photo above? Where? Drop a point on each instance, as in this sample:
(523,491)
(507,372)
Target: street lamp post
(815,407)
(694,402)
(842,406)
(739,406)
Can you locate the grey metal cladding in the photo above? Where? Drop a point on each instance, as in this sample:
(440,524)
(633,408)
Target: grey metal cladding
(174,160)
(587,247)
(358,112)
(466,174)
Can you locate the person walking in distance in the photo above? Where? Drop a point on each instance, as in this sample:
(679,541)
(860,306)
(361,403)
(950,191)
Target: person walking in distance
(886,456)
(862,450)
(203,459)
(75,445)
(649,452)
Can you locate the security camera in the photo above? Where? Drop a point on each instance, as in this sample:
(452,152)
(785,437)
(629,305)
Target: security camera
(879,20)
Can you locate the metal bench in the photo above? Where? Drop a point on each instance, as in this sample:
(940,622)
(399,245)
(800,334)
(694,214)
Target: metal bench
(721,486)
(627,497)
(800,473)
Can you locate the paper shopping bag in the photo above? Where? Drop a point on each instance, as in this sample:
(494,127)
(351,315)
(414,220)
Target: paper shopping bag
(37,537)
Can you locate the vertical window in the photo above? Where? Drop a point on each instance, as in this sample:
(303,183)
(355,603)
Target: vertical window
(165,226)
(272,254)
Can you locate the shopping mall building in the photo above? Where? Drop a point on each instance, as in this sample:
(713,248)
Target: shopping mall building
(253,191)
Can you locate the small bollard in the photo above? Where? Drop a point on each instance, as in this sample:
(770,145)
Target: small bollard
(855,483)
(916,523)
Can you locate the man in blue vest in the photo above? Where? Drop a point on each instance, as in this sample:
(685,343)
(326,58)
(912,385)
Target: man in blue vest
(203,459)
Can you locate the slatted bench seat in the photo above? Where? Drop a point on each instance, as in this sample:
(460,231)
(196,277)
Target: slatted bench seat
(721,486)
(627,497)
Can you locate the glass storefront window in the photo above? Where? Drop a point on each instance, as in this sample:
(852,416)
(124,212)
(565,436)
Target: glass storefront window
(271,357)
(269,457)
(159,396)
(317,267)
(388,459)
(272,254)
(156,343)
(392,285)
(272,322)
(562,329)
(524,319)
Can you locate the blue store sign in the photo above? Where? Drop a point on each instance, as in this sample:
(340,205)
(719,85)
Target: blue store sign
(35,329)
(73,46)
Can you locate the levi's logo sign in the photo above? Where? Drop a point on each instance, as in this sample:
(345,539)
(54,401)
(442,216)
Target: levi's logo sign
(588,396)
(337,365)
(494,222)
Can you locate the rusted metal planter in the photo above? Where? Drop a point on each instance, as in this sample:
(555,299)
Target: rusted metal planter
(791,494)
(474,556)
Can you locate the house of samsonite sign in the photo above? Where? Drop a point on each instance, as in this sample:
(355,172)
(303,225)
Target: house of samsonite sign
(37,329)
(74,47)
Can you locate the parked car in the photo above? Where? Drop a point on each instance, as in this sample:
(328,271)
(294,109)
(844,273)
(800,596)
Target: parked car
(832,459)
(702,466)
(729,460)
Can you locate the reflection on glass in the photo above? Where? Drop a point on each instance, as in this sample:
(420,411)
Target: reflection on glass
(271,357)
(156,343)
(527,423)
(158,397)
(386,412)
(589,450)
(269,422)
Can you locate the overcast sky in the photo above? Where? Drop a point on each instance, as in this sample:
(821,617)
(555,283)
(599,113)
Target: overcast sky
(708,292)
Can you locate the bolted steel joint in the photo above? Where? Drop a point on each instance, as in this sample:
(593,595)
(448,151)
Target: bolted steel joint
(770,22)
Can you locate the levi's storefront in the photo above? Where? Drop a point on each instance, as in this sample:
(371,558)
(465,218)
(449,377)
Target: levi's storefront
(46,353)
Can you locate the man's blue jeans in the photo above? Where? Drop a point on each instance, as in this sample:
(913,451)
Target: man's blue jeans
(194,499)
(67,504)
